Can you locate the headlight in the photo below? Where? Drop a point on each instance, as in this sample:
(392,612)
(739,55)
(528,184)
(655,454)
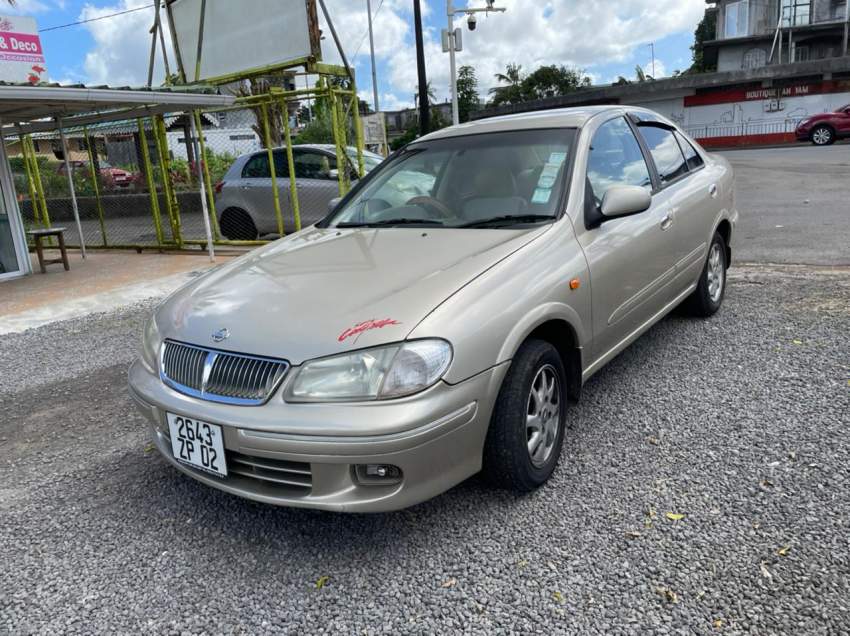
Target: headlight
(372,374)
(150,345)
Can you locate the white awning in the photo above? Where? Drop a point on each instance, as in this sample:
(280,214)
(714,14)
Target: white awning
(27,109)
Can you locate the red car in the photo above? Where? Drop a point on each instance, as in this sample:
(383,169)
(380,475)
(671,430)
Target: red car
(112,177)
(825,128)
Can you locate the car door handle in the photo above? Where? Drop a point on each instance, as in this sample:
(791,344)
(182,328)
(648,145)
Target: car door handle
(668,221)
(712,190)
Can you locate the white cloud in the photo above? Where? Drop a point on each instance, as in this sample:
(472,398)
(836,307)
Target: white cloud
(587,34)
(122,45)
(581,33)
(24,7)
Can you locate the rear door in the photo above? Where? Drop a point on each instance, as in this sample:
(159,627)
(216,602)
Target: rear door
(631,259)
(689,192)
(316,184)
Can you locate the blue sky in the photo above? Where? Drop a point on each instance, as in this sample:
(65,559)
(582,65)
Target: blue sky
(606,38)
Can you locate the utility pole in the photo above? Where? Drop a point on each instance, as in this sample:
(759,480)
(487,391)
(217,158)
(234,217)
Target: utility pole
(652,47)
(451,43)
(424,109)
(372,53)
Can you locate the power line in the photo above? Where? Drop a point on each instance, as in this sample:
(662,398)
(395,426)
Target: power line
(103,17)
(363,39)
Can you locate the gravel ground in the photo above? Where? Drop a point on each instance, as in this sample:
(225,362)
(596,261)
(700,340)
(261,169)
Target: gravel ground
(738,423)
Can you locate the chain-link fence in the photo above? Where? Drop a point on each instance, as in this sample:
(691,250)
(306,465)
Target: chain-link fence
(140,183)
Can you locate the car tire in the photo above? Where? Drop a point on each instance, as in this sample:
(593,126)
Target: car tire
(237,225)
(513,457)
(823,136)
(708,296)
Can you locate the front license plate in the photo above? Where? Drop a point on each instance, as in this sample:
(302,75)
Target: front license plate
(198,444)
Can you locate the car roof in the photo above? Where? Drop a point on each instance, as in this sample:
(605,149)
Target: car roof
(330,148)
(555,118)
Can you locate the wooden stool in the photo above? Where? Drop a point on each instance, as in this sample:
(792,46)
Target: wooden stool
(58,232)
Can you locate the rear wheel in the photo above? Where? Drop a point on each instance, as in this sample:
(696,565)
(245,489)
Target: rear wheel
(237,225)
(527,428)
(708,296)
(823,136)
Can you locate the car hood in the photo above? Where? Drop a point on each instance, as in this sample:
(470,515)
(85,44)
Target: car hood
(324,291)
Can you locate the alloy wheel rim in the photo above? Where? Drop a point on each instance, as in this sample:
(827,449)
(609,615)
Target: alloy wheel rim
(543,415)
(822,136)
(715,273)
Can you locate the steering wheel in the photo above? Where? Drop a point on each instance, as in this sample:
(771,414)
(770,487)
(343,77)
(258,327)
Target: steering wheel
(431,203)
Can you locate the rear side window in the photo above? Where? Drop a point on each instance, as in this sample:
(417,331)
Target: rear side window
(666,153)
(692,157)
(257,167)
(313,165)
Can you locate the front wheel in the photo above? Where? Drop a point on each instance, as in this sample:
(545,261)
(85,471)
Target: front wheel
(708,296)
(527,428)
(822,136)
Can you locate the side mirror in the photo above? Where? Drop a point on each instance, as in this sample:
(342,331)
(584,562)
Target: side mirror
(333,173)
(333,203)
(625,200)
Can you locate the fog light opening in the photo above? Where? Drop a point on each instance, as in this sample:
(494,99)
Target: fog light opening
(377,474)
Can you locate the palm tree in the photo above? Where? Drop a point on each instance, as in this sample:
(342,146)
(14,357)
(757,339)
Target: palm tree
(511,80)
(429,91)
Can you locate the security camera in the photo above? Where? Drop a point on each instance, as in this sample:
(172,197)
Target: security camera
(472,22)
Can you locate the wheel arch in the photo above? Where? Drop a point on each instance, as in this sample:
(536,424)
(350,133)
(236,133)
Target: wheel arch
(823,124)
(561,331)
(724,228)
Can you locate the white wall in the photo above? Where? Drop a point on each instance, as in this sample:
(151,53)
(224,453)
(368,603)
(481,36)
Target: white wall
(218,141)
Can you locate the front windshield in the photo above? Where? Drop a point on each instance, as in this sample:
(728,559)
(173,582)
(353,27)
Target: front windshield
(485,180)
(370,160)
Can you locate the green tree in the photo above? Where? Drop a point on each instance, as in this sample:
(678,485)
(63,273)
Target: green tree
(510,92)
(435,122)
(551,81)
(468,99)
(706,30)
(641,76)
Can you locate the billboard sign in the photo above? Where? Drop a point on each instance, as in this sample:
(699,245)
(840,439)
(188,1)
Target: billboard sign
(374,129)
(243,37)
(21,55)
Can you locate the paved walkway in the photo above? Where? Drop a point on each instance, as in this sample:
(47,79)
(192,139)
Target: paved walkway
(104,281)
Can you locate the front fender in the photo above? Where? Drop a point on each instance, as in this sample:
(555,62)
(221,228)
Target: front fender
(488,319)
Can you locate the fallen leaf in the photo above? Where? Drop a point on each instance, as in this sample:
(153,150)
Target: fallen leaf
(766,483)
(522,563)
(633,534)
(322,581)
(653,440)
(669,595)
(718,623)
(449,582)
(797,342)
(674,516)
(559,597)
(784,550)
(552,566)
(764,571)
(149,447)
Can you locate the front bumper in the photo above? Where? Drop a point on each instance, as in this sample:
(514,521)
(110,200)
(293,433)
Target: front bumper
(435,439)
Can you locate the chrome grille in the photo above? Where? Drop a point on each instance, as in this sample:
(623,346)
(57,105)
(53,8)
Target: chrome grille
(219,376)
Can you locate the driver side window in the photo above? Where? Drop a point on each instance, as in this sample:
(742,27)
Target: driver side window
(615,159)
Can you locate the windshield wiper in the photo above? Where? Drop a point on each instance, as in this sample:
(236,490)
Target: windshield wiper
(390,222)
(510,219)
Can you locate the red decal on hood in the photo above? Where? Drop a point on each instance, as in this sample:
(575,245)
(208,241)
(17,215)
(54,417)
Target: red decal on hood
(367,325)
